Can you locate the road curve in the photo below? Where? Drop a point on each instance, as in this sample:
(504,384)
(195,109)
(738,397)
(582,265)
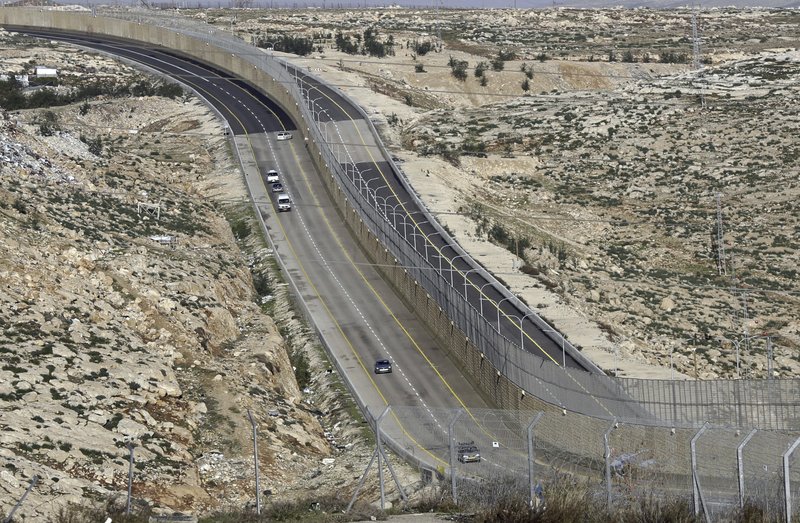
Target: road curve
(357,310)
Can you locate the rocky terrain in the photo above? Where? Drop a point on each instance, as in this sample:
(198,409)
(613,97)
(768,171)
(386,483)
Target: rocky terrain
(129,312)
(588,146)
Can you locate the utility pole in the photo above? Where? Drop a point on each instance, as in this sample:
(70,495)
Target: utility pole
(720,241)
(745,321)
(769,357)
(255,460)
(438,23)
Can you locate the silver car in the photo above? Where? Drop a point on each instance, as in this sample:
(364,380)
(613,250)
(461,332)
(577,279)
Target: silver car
(468,453)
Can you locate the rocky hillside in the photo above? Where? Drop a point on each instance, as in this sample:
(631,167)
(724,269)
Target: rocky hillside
(129,313)
(579,139)
(639,169)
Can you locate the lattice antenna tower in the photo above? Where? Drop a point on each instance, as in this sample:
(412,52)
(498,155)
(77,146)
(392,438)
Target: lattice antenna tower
(742,317)
(721,269)
(696,61)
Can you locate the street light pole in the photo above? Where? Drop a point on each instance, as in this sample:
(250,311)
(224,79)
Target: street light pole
(481,294)
(499,310)
(522,331)
(466,280)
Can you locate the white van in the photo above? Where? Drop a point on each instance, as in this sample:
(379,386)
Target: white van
(284,203)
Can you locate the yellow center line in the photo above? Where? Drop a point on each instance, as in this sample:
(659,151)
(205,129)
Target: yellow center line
(417,225)
(311,283)
(300,264)
(449,261)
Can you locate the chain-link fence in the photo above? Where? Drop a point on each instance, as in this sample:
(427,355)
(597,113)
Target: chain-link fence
(625,435)
(489,453)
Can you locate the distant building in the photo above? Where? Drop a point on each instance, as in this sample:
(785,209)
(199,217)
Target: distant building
(46,72)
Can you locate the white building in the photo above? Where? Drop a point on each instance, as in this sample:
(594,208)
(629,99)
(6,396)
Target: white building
(46,72)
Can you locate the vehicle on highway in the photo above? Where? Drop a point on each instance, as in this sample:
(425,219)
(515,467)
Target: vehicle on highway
(272,176)
(383,367)
(468,452)
(284,135)
(284,203)
(276,187)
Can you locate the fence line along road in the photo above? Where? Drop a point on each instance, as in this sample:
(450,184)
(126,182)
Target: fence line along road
(412,241)
(527,453)
(447,276)
(647,432)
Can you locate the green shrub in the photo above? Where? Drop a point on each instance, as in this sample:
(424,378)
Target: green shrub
(241,229)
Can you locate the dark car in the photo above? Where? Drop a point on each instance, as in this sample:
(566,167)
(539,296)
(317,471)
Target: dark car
(383,367)
(276,187)
(468,453)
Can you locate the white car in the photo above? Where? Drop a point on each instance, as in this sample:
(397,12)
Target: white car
(284,135)
(272,176)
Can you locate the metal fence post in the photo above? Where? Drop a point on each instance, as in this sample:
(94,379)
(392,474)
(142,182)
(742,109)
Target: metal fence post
(389,465)
(255,460)
(697,493)
(34,480)
(607,457)
(453,457)
(380,457)
(377,453)
(740,464)
(787,483)
(130,446)
(530,455)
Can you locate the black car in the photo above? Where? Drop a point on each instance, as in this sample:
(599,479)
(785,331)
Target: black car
(276,187)
(383,367)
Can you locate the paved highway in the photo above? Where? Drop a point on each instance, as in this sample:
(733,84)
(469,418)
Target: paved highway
(356,311)
(336,113)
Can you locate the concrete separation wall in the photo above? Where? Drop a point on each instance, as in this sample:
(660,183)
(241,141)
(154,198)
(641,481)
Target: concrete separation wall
(465,353)
(570,434)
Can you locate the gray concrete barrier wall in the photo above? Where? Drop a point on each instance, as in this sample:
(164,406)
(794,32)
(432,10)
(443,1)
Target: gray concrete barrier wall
(573,434)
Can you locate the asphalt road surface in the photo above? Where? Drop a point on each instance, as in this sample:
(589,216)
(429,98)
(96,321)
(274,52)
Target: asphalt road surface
(356,311)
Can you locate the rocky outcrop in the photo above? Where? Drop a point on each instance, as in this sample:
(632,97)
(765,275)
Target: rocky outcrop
(111,337)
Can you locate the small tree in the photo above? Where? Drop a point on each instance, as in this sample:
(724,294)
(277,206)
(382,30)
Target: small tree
(95,145)
(419,68)
(458,68)
(480,69)
(422,48)
(498,64)
(48,123)
(506,55)
(526,86)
